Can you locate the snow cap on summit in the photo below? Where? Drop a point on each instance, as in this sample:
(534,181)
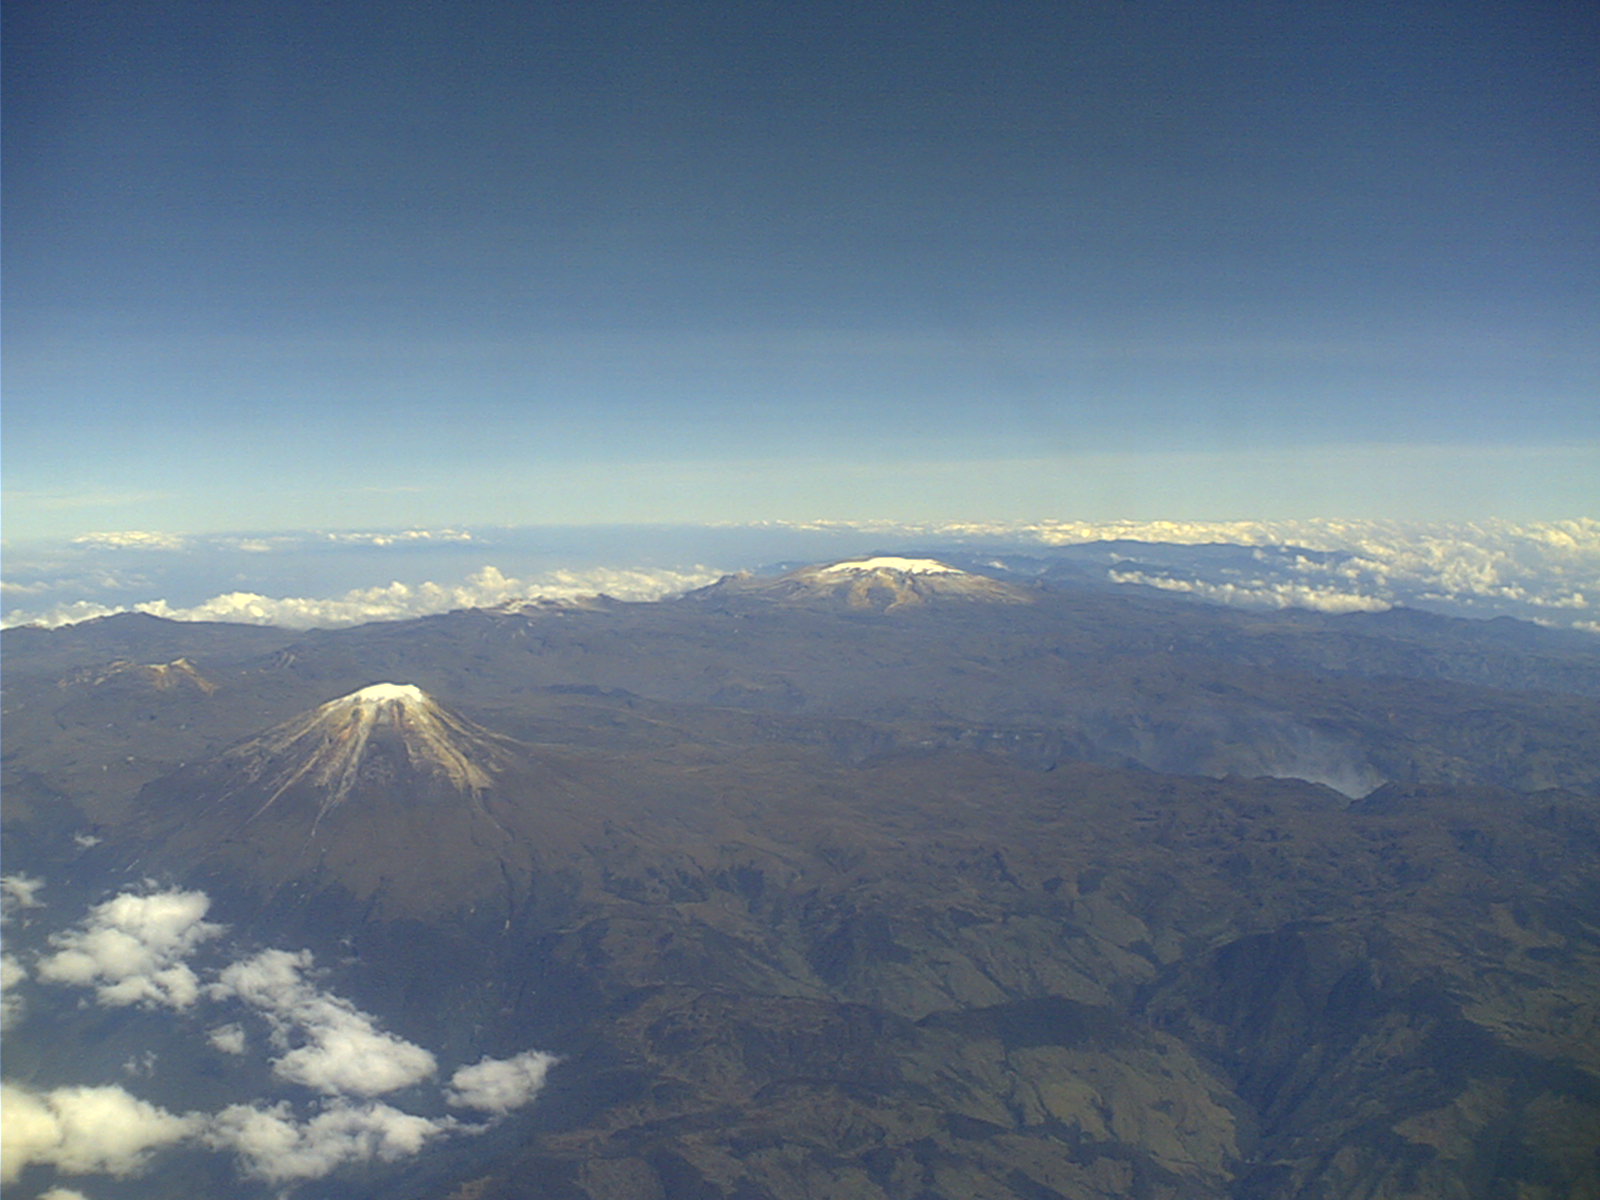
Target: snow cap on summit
(889,562)
(380,693)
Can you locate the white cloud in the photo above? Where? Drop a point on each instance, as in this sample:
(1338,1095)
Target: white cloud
(128,947)
(229,1039)
(8,588)
(18,892)
(500,1085)
(12,1006)
(273,544)
(61,1193)
(1541,570)
(71,613)
(394,601)
(131,949)
(141,1065)
(340,1050)
(1279,595)
(274,1145)
(131,539)
(85,1130)
(400,538)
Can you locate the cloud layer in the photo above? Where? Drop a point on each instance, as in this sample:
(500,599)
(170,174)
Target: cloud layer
(1545,571)
(392,601)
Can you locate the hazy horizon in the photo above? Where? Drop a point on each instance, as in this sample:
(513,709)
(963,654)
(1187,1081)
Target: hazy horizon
(1547,572)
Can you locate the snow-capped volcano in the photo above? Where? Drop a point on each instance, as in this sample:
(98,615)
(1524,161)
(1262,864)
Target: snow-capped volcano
(891,563)
(882,582)
(384,792)
(392,737)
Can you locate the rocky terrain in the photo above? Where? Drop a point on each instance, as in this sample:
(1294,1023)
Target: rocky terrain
(887,880)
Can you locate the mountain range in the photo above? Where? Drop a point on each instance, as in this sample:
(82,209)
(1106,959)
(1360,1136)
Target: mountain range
(896,879)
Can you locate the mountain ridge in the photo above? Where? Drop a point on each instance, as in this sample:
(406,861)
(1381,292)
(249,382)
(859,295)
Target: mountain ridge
(960,900)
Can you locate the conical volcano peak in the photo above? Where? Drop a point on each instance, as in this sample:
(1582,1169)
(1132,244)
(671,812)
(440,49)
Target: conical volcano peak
(389,738)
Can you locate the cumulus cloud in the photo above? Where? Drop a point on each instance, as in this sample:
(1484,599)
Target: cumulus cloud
(1547,571)
(61,1193)
(1260,593)
(340,1050)
(141,1065)
(500,1085)
(71,613)
(275,1145)
(85,1130)
(393,601)
(131,539)
(401,538)
(273,544)
(131,949)
(18,892)
(108,1131)
(12,1006)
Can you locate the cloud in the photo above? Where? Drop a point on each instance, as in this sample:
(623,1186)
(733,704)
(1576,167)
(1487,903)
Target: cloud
(500,1085)
(8,588)
(273,544)
(85,1130)
(1547,571)
(340,1050)
(61,1193)
(131,949)
(132,539)
(71,613)
(275,1146)
(12,1006)
(394,601)
(18,892)
(1270,595)
(401,538)
(141,1065)
(108,1131)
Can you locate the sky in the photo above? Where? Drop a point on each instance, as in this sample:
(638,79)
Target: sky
(343,265)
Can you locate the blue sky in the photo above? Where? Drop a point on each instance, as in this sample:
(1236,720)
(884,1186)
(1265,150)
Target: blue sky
(347,265)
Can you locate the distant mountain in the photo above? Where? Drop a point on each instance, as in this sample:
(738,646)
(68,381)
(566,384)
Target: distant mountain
(865,881)
(882,583)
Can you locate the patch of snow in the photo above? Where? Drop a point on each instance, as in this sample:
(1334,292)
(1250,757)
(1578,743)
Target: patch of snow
(908,566)
(381,693)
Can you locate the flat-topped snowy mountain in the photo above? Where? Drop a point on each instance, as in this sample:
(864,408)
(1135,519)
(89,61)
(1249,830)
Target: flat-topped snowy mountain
(883,583)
